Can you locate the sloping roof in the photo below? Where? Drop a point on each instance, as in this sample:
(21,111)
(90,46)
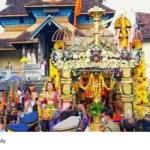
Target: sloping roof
(49,19)
(5,37)
(59,25)
(16,7)
(144,23)
(49,2)
(86,4)
(11,2)
(76,31)
(5,44)
(10,35)
(24,37)
(31,32)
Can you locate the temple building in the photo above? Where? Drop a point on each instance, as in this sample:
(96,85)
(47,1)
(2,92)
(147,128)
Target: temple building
(30,24)
(143,20)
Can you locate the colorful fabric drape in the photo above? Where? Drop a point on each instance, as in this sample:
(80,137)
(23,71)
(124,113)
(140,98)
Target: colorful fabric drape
(11,92)
(4,97)
(77,12)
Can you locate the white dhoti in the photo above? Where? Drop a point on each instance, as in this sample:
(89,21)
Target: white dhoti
(42,70)
(29,57)
(8,74)
(33,58)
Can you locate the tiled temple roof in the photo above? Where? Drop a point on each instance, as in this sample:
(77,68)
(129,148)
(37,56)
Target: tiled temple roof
(5,37)
(87,4)
(12,2)
(48,2)
(5,44)
(144,24)
(25,35)
(15,7)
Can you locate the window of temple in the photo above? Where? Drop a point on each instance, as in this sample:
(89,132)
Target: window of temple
(21,20)
(87,18)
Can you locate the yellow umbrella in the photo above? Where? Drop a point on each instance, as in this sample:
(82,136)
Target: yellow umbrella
(25,60)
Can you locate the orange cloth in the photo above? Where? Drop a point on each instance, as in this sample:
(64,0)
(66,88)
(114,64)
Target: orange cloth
(11,92)
(20,72)
(53,1)
(3,102)
(77,12)
(17,100)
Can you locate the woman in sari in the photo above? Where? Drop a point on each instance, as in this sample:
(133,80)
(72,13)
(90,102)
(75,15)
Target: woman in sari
(48,105)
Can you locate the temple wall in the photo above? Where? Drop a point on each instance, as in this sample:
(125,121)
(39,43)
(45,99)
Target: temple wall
(146,49)
(13,56)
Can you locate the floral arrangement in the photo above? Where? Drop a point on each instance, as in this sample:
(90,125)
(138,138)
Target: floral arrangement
(140,89)
(55,75)
(95,109)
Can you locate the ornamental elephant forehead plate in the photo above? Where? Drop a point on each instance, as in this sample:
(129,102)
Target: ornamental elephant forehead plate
(123,51)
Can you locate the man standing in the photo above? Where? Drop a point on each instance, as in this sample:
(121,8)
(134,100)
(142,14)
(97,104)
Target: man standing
(107,124)
(8,70)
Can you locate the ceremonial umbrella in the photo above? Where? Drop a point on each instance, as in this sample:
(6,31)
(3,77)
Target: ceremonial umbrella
(25,60)
(14,78)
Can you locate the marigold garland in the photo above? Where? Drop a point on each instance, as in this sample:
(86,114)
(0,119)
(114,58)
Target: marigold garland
(88,85)
(140,89)
(104,85)
(91,90)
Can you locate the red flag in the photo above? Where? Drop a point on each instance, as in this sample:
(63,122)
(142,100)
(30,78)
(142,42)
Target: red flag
(77,12)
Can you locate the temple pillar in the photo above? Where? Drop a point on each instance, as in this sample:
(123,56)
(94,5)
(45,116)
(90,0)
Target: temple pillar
(66,94)
(127,92)
(96,13)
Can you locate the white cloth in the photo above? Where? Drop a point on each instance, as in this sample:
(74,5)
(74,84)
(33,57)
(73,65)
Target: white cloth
(87,129)
(30,109)
(8,71)
(43,69)
(29,57)
(8,74)
(68,125)
(33,58)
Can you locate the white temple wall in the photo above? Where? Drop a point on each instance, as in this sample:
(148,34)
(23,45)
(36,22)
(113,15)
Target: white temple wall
(146,49)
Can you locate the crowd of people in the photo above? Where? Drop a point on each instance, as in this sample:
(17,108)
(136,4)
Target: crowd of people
(50,113)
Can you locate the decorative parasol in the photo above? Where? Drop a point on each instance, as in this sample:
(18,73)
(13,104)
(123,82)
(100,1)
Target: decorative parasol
(25,60)
(3,88)
(14,78)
